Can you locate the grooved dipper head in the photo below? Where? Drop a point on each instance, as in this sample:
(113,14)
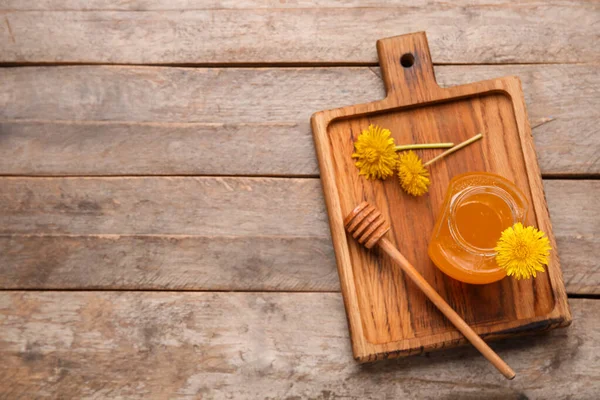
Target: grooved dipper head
(366,224)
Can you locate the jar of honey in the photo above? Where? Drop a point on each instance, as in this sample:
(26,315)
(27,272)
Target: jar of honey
(477,208)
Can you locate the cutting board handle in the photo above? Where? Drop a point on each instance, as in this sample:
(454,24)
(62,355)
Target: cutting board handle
(407,69)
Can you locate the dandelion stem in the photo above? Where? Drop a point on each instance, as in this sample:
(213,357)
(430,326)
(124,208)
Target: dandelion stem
(453,149)
(423,146)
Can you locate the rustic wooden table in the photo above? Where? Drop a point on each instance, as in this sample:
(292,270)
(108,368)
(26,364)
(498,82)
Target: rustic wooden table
(162,227)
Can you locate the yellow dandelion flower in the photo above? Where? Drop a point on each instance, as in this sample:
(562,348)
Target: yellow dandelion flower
(522,251)
(414,177)
(376,154)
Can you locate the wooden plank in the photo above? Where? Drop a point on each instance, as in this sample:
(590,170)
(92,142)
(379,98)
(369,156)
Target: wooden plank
(69,233)
(171,206)
(267,263)
(185,5)
(255,345)
(306,33)
(185,121)
(576,221)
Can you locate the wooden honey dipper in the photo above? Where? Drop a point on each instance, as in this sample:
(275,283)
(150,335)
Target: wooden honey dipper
(366,224)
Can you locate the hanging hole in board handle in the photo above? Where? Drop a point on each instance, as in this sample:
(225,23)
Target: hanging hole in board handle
(407,70)
(407,60)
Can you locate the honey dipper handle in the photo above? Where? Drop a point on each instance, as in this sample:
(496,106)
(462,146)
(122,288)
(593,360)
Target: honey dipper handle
(445,308)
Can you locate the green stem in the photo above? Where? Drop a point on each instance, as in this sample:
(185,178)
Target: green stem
(455,148)
(424,146)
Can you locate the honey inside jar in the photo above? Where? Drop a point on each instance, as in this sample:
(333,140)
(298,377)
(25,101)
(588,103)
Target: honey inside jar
(477,208)
(481,219)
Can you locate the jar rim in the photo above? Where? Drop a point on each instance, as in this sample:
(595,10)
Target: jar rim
(464,194)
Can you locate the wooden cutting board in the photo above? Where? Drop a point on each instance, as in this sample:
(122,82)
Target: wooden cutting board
(387,314)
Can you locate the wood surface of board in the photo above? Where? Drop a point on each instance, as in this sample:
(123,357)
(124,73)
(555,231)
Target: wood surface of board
(388,315)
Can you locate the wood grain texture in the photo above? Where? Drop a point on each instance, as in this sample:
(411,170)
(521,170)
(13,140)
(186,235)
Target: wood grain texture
(586,240)
(387,314)
(239,345)
(93,252)
(159,121)
(183,120)
(367,226)
(169,206)
(265,263)
(556,31)
(185,5)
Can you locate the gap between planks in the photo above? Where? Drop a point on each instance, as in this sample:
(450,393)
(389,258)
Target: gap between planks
(271,64)
(569,295)
(158,175)
(165,290)
(549,177)
(147,235)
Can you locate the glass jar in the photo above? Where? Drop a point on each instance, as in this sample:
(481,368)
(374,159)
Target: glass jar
(477,208)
